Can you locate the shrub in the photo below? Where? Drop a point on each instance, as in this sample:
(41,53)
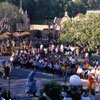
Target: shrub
(53,90)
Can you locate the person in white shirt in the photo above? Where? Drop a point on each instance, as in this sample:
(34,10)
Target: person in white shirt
(56,50)
(79,71)
(61,48)
(41,46)
(53,47)
(72,49)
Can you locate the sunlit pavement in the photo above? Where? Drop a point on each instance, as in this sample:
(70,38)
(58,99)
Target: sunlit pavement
(19,77)
(18,80)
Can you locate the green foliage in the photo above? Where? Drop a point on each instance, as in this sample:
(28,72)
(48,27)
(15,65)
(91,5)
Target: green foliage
(75,8)
(53,90)
(15,2)
(83,31)
(90,4)
(38,9)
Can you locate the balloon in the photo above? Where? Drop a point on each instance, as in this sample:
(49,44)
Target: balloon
(75,80)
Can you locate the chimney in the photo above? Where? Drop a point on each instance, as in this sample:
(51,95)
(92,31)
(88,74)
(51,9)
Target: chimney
(66,14)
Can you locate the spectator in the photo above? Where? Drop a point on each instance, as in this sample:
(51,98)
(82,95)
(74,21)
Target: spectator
(6,72)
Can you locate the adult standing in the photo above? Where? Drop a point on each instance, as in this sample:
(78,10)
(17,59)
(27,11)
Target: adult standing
(30,87)
(6,70)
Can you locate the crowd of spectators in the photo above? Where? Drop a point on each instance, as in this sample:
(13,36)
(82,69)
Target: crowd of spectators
(46,56)
(49,56)
(85,69)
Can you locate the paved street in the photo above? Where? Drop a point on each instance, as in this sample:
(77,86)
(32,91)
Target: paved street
(18,80)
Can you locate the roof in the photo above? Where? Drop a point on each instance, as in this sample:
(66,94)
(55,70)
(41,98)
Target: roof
(79,14)
(24,33)
(39,27)
(93,11)
(57,21)
(64,19)
(16,34)
(3,36)
(7,33)
(66,14)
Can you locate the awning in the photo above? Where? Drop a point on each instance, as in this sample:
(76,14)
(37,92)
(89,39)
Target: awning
(24,33)
(16,34)
(7,33)
(3,36)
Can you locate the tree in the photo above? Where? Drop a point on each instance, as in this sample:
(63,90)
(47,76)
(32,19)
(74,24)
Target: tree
(74,8)
(15,2)
(53,90)
(9,12)
(38,9)
(90,4)
(84,31)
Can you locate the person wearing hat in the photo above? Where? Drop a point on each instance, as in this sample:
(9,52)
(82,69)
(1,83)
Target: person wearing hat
(91,83)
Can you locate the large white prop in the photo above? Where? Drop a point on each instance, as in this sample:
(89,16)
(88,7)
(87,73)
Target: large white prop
(75,80)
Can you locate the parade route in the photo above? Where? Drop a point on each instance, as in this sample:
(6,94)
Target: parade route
(18,81)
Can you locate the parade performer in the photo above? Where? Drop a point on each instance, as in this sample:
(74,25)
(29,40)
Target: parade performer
(30,87)
(91,85)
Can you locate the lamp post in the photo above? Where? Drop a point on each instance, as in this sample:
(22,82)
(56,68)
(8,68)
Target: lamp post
(48,22)
(54,30)
(9,83)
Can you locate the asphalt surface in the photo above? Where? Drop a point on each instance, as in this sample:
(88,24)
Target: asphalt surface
(18,81)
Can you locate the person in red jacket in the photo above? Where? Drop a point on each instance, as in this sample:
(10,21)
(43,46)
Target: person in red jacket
(91,83)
